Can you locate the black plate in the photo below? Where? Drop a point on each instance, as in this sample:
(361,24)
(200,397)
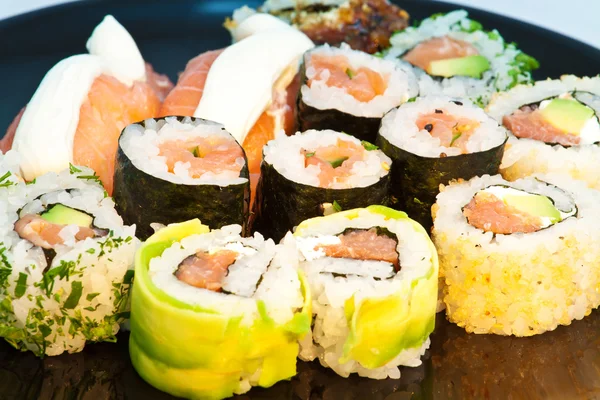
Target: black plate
(564,364)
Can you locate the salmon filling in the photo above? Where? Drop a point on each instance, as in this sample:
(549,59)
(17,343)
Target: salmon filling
(45,234)
(335,162)
(212,154)
(452,131)
(363,83)
(206,270)
(364,244)
(436,49)
(489,213)
(529,123)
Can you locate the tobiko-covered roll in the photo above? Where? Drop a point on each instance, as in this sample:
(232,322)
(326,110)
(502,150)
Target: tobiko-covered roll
(373,275)
(453,55)
(213,313)
(171,170)
(518,258)
(315,172)
(349,91)
(432,141)
(554,128)
(65,263)
(82,104)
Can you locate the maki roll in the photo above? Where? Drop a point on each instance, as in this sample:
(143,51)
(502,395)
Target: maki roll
(66,263)
(348,90)
(518,258)
(237,304)
(365,25)
(453,55)
(82,105)
(317,172)
(170,170)
(554,128)
(433,141)
(373,275)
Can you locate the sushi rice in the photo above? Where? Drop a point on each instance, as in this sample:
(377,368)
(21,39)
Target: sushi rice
(508,65)
(80,297)
(524,157)
(519,284)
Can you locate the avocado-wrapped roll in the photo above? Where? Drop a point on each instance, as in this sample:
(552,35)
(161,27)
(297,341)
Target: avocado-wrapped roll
(432,141)
(66,261)
(349,91)
(554,128)
(173,169)
(238,306)
(373,275)
(313,173)
(518,258)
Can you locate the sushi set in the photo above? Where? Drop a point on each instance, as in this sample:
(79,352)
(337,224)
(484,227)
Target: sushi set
(339,202)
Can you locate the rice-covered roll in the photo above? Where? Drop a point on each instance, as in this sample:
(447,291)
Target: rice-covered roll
(315,173)
(518,258)
(213,313)
(554,128)
(373,275)
(349,91)
(174,169)
(432,141)
(65,263)
(453,55)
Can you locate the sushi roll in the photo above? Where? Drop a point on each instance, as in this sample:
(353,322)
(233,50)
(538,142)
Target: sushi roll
(518,258)
(365,25)
(171,170)
(453,55)
(99,94)
(66,263)
(348,90)
(213,313)
(432,141)
(314,173)
(250,87)
(373,275)
(553,128)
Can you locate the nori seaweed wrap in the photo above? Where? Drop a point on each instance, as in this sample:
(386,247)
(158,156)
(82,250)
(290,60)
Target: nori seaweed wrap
(174,169)
(314,173)
(433,141)
(350,91)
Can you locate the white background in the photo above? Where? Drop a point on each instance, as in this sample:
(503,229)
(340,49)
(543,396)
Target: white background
(576,18)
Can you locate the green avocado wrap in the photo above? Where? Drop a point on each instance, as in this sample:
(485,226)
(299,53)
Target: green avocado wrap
(201,344)
(373,273)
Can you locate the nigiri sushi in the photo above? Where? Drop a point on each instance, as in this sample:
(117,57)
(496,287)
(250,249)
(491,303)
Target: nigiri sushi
(83,103)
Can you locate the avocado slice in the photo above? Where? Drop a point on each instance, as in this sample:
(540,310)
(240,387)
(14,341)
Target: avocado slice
(337,162)
(568,115)
(472,66)
(64,215)
(534,204)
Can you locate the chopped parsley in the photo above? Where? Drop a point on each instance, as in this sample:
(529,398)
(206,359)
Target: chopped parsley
(73,299)
(21,286)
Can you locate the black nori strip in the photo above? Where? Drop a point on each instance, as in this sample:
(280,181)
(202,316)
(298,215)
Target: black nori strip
(281,204)
(416,179)
(363,128)
(142,199)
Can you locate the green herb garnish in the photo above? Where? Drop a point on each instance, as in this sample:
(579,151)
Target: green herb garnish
(455,138)
(336,206)
(349,73)
(309,155)
(21,286)
(73,169)
(73,299)
(368,146)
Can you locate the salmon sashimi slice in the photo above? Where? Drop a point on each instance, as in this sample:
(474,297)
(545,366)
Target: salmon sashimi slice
(46,234)
(529,123)
(335,162)
(489,213)
(364,84)
(213,154)
(452,131)
(185,97)
(7,140)
(160,83)
(110,107)
(439,48)
(363,244)
(206,271)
